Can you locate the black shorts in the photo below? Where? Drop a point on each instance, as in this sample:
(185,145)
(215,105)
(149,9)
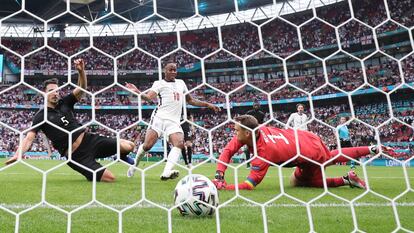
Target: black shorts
(187,133)
(93,146)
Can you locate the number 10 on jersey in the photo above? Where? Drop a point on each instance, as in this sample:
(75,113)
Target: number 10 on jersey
(176,96)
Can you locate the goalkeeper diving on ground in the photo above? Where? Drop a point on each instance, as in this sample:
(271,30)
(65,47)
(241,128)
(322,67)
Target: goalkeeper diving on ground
(278,146)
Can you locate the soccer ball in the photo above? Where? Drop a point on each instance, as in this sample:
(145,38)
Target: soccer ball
(192,193)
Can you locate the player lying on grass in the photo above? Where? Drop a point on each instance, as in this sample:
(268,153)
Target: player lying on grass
(86,147)
(278,146)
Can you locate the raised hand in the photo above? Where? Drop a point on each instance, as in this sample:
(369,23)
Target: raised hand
(132,87)
(79,65)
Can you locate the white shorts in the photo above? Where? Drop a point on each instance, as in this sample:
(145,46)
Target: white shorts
(165,126)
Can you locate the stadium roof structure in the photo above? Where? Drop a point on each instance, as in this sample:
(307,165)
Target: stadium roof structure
(133,10)
(106,23)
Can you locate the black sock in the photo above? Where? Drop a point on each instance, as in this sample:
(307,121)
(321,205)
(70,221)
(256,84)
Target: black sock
(184,153)
(189,153)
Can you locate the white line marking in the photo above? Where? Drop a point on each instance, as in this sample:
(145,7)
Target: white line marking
(146,205)
(268,176)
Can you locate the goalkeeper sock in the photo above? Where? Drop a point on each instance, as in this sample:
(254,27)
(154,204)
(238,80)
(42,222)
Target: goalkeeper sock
(173,157)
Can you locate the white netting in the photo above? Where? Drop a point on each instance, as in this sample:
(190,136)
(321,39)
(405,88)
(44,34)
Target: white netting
(278,55)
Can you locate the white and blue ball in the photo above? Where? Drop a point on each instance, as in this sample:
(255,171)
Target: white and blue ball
(193,192)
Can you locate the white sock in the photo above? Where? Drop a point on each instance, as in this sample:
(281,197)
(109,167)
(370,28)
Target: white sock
(140,153)
(173,157)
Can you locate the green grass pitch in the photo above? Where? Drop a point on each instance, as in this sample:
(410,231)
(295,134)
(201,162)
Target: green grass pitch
(21,188)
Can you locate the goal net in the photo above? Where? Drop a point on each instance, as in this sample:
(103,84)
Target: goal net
(348,64)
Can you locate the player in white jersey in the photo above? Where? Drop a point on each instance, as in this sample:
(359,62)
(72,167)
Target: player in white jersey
(298,119)
(166,117)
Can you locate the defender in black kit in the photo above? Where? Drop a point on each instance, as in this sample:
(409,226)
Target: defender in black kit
(86,147)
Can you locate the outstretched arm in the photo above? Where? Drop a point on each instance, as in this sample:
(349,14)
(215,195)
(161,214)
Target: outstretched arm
(257,173)
(231,148)
(199,103)
(149,96)
(82,82)
(25,146)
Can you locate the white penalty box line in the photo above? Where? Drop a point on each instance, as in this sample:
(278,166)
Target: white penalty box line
(168,205)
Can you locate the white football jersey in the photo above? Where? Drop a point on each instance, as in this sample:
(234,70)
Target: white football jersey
(297,121)
(170,99)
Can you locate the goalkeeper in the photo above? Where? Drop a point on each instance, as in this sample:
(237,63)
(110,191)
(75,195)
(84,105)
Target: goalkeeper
(278,146)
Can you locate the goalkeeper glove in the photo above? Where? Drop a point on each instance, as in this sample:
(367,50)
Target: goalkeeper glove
(219,181)
(219,175)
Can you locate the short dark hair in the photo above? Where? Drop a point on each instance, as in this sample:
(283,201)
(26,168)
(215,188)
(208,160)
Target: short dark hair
(169,61)
(248,121)
(50,81)
(297,105)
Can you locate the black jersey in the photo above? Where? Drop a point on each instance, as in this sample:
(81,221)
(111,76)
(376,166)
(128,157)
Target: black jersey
(259,115)
(62,115)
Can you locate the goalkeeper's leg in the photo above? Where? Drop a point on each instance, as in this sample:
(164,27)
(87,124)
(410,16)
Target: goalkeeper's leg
(357,152)
(310,175)
(346,144)
(352,152)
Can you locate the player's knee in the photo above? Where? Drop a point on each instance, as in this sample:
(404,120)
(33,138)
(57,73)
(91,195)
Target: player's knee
(108,177)
(150,140)
(128,146)
(147,146)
